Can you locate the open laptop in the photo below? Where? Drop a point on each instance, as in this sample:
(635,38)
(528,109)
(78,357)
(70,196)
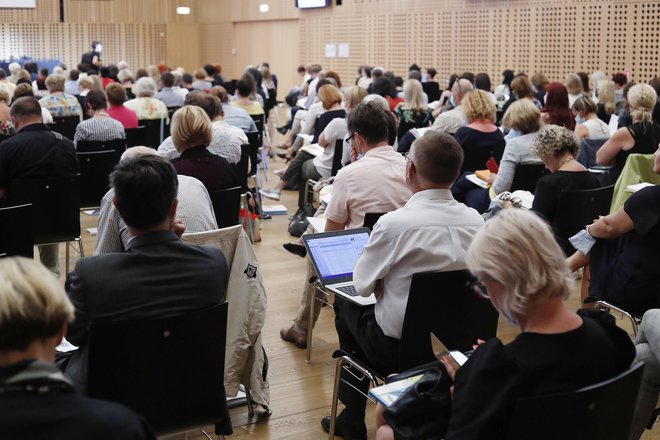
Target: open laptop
(334,255)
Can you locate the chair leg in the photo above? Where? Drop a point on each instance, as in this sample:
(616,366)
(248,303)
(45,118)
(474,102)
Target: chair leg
(246,207)
(310,328)
(250,403)
(66,245)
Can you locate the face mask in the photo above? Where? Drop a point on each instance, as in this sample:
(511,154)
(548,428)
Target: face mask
(513,133)
(99,48)
(580,120)
(452,101)
(360,156)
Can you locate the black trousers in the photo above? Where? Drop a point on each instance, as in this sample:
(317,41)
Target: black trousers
(361,336)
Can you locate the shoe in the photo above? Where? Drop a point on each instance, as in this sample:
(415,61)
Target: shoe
(283,130)
(349,429)
(271,194)
(281,155)
(295,336)
(296,249)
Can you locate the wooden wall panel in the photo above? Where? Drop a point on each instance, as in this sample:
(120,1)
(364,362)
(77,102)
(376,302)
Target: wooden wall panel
(47,11)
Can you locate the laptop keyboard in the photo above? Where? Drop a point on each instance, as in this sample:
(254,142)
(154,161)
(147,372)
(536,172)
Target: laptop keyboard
(348,290)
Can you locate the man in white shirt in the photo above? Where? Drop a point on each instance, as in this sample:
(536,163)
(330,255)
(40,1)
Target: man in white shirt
(374,183)
(432,232)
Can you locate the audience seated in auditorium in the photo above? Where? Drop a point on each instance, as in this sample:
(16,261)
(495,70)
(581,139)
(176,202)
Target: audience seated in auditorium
(192,277)
(503,90)
(10,85)
(619,80)
(145,106)
(521,88)
(480,138)
(539,81)
(191,134)
(39,84)
(606,105)
(386,88)
(201,82)
(169,96)
(104,73)
(35,152)
(495,376)
(589,126)
(25,89)
(432,217)
(374,182)
(100,127)
(243,90)
(71,85)
(451,120)
(557,110)
(641,137)
(56,102)
(624,262)
(226,141)
(116,97)
(412,112)
(6,126)
(574,88)
(38,401)
(234,116)
(558,148)
(125,77)
(14,69)
(194,208)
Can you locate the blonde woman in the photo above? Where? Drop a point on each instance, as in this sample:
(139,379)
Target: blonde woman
(606,105)
(6,126)
(589,126)
(412,113)
(641,137)
(192,133)
(574,86)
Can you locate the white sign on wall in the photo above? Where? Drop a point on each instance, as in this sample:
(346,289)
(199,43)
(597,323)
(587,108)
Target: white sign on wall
(18,3)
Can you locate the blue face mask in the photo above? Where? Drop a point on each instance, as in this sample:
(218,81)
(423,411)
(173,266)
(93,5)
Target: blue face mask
(360,156)
(513,133)
(580,120)
(452,101)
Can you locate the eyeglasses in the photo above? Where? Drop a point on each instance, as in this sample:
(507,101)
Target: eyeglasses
(480,289)
(408,157)
(349,139)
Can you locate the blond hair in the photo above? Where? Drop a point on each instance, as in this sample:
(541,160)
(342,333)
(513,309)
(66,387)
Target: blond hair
(33,304)
(573,84)
(86,83)
(413,95)
(354,95)
(191,127)
(4,94)
(477,106)
(55,83)
(605,93)
(329,95)
(641,98)
(524,116)
(535,267)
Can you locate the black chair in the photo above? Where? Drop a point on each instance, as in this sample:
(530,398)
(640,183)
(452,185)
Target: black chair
(135,136)
(336,158)
(323,121)
(226,204)
(259,122)
(241,168)
(230,87)
(166,127)
(65,125)
(16,234)
(116,145)
(578,208)
(370,219)
(600,411)
(254,139)
(432,90)
(55,208)
(439,302)
(153,131)
(95,169)
(170,370)
(4,137)
(588,149)
(526,176)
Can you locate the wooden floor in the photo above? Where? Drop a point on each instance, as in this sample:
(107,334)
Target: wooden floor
(300,393)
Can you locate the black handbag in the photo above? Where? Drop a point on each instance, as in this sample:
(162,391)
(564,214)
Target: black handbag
(422,411)
(299,223)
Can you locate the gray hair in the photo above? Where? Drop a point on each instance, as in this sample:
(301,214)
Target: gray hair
(553,140)
(144,86)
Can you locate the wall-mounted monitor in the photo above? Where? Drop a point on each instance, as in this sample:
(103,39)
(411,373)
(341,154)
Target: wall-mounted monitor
(18,4)
(304,4)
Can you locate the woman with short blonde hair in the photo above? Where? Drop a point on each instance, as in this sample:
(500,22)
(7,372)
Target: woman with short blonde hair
(412,113)
(641,137)
(192,132)
(6,126)
(606,104)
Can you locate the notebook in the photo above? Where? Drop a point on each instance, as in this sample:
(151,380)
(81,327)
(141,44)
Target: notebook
(334,255)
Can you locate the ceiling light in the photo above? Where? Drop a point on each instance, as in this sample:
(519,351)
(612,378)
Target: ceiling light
(182,10)
(263,7)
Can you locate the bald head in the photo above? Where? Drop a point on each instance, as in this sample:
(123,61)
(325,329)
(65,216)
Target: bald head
(134,152)
(460,89)
(437,159)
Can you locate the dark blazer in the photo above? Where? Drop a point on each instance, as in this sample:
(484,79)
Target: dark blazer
(157,276)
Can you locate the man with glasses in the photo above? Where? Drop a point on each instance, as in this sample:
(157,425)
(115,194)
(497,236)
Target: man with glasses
(432,232)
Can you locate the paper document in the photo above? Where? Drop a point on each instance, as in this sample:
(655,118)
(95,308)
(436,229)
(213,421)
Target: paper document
(313,149)
(92,212)
(92,231)
(477,181)
(307,138)
(65,346)
(388,393)
(419,132)
(636,187)
(317,223)
(274,209)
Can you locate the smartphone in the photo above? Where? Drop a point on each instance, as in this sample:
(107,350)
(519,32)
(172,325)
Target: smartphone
(439,350)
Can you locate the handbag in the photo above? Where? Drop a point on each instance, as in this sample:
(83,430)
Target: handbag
(423,410)
(299,223)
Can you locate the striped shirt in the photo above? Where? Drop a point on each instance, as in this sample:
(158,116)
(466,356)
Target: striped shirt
(99,129)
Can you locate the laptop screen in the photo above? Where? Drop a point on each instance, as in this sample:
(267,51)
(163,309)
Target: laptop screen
(334,254)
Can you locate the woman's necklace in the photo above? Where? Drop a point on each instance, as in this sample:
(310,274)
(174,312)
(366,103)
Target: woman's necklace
(565,161)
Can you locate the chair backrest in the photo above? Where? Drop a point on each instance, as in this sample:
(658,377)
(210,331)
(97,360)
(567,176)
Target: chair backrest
(526,176)
(588,149)
(55,207)
(254,139)
(135,136)
(95,169)
(153,131)
(116,145)
(16,235)
(600,411)
(226,204)
(170,370)
(323,120)
(167,127)
(443,303)
(370,219)
(241,168)
(336,158)
(259,122)
(577,208)
(65,125)
(432,90)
